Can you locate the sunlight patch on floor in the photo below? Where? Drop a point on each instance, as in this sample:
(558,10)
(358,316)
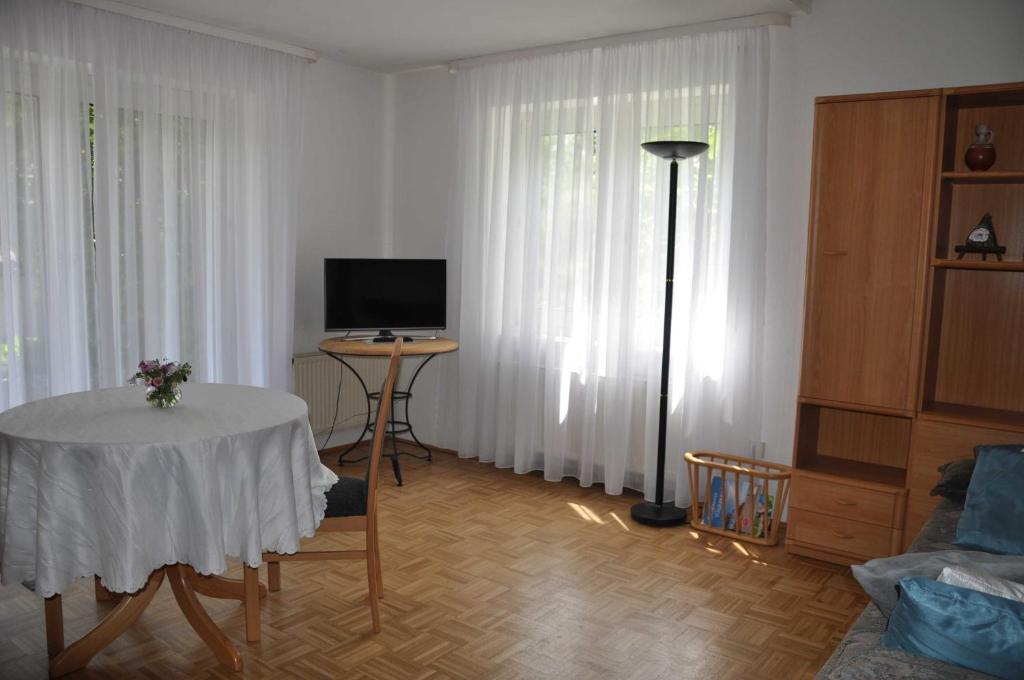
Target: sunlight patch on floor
(739,548)
(621,523)
(586,513)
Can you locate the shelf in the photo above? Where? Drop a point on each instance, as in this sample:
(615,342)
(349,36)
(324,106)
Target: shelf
(961,206)
(983,265)
(851,406)
(986,177)
(977,416)
(854,469)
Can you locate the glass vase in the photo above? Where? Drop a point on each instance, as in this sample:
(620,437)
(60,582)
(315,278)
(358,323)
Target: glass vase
(163,397)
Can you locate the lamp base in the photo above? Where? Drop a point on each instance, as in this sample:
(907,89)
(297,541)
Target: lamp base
(664,515)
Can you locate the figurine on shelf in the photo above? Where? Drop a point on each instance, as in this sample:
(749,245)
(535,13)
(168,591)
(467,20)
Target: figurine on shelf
(982,154)
(982,239)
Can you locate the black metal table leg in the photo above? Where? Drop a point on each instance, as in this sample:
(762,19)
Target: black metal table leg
(369,406)
(408,420)
(395,467)
(394,423)
(430,454)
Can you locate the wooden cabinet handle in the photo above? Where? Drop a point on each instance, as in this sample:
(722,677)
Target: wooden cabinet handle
(840,534)
(843,501)
(834,253)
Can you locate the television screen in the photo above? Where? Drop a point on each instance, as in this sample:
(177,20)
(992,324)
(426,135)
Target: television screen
(383,294)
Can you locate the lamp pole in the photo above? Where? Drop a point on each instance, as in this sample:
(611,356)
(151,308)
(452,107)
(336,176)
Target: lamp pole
(659,513)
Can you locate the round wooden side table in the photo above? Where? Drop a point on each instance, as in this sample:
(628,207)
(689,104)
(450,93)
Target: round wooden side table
(427,348)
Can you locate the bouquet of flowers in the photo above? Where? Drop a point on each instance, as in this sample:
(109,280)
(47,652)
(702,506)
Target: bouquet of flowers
(162,379)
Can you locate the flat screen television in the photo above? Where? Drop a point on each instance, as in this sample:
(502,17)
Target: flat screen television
(384,295)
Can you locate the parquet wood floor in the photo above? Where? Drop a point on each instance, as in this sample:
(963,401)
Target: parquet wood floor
(488,574)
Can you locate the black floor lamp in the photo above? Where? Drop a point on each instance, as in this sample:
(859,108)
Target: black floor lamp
(659,513)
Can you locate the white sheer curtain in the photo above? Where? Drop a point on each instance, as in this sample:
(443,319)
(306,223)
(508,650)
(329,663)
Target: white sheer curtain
(147,201)
(561,235)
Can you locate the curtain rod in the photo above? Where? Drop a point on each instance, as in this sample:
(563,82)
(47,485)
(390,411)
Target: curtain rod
(770,19)
(197,27)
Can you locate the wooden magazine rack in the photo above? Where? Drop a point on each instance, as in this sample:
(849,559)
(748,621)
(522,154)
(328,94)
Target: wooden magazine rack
(738,497)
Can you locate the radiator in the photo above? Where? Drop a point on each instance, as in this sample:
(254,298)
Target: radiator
(315,379)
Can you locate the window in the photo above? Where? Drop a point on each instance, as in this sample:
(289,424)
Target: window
(568,207)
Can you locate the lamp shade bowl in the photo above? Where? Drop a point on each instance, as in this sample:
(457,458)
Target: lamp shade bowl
(675,150)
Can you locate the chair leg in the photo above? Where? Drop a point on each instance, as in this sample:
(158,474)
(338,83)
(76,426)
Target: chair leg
(251,580)
(274,576)
(376,552)
(371,577)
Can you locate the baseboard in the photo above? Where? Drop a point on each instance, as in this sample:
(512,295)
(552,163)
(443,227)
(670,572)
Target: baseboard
(366,442)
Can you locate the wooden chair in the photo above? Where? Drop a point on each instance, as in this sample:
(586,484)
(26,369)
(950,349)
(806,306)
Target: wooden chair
(351,506)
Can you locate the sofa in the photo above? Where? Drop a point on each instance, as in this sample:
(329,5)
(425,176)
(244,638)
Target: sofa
(859,655)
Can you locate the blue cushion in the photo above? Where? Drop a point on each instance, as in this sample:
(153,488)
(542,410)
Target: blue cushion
(959,626)
(993,515)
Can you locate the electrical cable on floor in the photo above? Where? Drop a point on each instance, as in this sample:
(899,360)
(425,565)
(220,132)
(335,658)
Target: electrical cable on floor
(337,405)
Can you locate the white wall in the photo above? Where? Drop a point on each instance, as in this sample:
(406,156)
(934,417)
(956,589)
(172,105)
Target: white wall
(847,47)
(843,46)
(341,189)
(424,157)
(424,160)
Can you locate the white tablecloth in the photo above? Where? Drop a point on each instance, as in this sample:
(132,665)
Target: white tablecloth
(102,483)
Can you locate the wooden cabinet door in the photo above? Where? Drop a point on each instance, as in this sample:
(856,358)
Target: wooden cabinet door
(873,171)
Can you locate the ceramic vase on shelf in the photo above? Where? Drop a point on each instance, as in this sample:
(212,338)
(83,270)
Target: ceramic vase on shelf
(982,154)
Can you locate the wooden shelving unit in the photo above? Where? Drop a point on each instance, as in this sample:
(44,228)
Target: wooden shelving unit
(911,355)
(972,374)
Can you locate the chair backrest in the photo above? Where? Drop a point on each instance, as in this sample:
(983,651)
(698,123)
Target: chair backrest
(380,430)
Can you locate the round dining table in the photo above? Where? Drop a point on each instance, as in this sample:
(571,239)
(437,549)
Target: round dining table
(101,484)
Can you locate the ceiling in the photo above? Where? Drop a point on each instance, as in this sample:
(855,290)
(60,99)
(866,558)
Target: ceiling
(397,35)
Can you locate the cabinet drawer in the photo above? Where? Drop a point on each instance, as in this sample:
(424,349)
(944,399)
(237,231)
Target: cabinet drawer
(838,534)
(842,500)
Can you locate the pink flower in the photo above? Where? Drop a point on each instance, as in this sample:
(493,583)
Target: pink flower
(157,381)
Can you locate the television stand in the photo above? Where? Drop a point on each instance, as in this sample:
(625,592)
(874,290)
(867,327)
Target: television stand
(388,336)
(425,349)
